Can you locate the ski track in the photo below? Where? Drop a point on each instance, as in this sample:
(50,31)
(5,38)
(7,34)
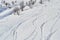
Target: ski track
(34,15)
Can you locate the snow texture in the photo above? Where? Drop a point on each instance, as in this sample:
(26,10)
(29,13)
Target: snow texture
(41,22)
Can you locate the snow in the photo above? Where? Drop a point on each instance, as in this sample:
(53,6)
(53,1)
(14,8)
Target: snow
(6,13)
(42,22)
(2,9)
(27,8)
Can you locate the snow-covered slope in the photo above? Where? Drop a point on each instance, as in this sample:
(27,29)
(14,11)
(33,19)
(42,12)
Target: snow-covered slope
(39,23)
